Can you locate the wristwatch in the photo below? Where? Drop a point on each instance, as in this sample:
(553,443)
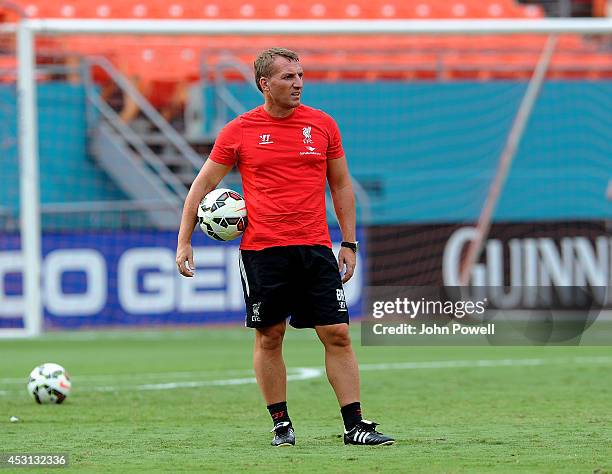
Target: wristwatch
(354,246)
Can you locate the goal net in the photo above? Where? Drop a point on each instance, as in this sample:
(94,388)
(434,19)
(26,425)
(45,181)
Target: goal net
(453,139)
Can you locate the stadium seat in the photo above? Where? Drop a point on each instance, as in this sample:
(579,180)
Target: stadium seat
(8,63)
(591,66)
(493,67)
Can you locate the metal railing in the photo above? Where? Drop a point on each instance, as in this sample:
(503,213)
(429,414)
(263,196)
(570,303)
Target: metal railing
(136,141)
(147,109)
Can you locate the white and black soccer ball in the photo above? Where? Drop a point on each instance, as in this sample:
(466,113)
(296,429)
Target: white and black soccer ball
(49,383)
(222,214)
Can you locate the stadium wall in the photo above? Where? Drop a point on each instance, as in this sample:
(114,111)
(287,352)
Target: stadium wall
(129,278)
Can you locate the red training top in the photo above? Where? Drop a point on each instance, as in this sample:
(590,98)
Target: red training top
(283,164)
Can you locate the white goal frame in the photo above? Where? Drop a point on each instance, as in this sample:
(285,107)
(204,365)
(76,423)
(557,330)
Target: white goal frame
(27,29)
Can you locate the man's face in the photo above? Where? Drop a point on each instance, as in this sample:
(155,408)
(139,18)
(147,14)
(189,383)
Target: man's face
(285,84)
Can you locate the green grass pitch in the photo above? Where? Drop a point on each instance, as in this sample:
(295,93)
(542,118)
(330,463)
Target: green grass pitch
(172,401)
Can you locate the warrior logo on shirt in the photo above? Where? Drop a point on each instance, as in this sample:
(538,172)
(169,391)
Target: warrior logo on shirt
(306,131)
(265,139)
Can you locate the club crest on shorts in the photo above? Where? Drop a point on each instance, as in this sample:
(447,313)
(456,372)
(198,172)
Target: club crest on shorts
(255,316)
(341,299)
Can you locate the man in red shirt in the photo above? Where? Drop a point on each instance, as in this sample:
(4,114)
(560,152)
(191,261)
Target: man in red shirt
(285,152)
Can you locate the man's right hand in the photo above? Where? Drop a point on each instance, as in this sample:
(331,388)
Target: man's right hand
(184,260)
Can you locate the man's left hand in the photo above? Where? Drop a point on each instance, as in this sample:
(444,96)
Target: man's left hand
(347,259)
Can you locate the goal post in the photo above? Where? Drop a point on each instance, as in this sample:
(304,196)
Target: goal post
(29,29)
(29,226)
(321,27)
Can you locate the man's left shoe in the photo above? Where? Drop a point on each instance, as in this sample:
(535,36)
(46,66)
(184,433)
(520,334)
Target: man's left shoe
(364,433)
(283,434)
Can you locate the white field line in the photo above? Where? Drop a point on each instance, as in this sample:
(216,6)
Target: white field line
(305,373)
(140,376)
(203,373)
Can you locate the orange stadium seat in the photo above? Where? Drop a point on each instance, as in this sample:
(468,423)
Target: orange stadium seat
(489,67)
(8,63)
(591,66)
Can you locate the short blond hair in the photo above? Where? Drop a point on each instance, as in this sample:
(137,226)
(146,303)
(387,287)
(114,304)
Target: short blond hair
(265,60)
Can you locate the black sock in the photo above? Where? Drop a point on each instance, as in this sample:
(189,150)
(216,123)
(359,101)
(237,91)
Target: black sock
(351,415)
(278,412)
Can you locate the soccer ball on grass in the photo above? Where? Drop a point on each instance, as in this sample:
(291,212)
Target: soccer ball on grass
(222,214)
(49,383)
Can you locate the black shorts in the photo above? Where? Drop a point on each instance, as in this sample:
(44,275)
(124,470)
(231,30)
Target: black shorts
(298,281)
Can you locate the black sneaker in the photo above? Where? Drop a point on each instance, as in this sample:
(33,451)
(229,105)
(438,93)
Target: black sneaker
(365,433)
(283,434)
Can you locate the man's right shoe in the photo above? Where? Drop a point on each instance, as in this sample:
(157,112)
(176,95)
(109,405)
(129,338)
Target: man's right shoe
(364,433)
(283,434)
